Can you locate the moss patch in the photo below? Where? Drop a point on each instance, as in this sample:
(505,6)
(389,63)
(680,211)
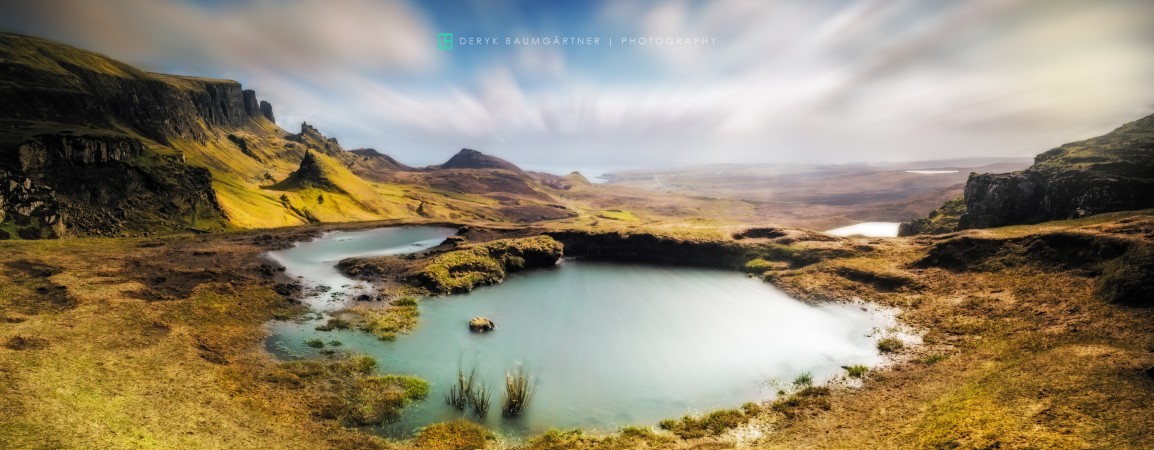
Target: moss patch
(488,263)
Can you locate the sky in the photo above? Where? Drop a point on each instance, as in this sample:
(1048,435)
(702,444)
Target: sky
(725,81)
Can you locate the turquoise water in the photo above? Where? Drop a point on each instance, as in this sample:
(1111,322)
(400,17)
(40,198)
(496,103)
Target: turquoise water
(315,261)
(611,344)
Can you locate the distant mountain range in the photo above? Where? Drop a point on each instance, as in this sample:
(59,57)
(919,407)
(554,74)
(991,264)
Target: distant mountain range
(92,146)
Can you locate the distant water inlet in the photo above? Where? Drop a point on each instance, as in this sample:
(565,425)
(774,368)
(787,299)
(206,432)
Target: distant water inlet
(315,261)
(605,345)
(868,229)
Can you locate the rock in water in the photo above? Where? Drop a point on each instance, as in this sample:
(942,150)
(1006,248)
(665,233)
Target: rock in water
(481,325)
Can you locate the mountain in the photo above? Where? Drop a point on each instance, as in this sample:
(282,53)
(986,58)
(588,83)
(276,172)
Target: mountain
(93,146)
(577,178)
(472,159)
(1112,172)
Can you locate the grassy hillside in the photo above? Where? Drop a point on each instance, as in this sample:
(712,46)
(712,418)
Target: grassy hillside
(182,124)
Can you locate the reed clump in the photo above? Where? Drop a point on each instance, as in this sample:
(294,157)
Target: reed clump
(469,393)
(479,399)
(458,396)
(518,392)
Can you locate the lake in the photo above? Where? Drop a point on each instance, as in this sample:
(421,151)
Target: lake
(607,344)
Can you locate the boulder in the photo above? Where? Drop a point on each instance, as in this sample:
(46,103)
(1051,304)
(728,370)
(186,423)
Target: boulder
(481,325)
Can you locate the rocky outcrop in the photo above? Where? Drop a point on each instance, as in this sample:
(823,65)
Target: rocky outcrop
(472,159)
(994,200)
(48,151)
(1113,172)
(266,111)
(314,140)
(310,174)
(251,106)
(30,209)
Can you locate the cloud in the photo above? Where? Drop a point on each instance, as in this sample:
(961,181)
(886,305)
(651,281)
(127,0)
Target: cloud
(296,36)
(786,81)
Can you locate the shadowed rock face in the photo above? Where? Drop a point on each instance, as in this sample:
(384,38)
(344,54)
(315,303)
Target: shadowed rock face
(266,111)
(52,150)
(251,107)
(472,159)
(1001,198)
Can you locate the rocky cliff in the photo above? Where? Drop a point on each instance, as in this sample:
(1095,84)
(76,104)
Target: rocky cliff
(45,81)
(1113,172)
(85,138)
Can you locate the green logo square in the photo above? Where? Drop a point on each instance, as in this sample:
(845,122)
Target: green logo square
(445,41)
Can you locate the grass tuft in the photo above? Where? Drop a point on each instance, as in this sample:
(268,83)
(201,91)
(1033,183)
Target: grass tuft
(856,371)
(315,343)
(803,380)
(890,345)
(455,435)
(711,424)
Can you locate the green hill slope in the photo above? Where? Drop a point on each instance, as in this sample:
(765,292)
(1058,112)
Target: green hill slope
(93,146)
